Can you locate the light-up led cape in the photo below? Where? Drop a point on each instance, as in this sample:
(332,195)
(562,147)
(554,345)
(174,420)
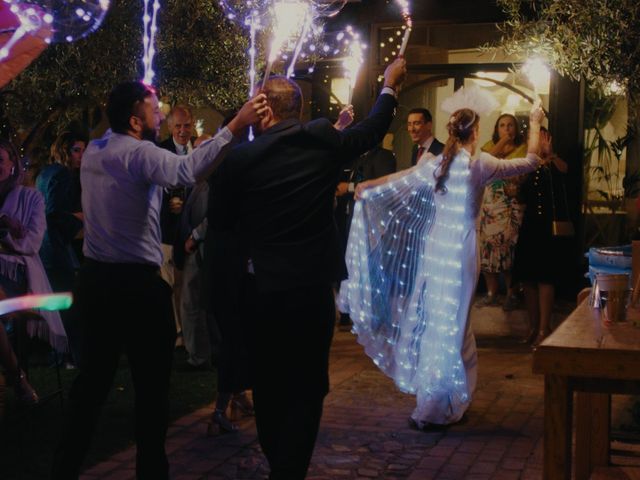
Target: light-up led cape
(407,293)
(413,268)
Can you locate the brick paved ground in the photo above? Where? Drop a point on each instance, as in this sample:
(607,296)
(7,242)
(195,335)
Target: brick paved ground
(364,432)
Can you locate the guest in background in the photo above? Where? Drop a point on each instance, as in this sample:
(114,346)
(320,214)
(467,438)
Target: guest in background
(22,226)
(188,258)
(225,272)
(420,128)
(59,183)
(540,257)
(181,126)
(501,214)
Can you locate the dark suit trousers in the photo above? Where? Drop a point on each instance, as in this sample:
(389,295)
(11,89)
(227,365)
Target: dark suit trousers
(293,332)
(121,308)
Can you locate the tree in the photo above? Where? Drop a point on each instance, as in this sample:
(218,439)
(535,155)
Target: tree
(594,40)
(598,40)
(202,57)
(200,60)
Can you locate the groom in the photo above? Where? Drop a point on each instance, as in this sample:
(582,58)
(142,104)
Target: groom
(276,195)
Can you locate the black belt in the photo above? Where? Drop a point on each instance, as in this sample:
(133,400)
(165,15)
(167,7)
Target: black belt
(122,267)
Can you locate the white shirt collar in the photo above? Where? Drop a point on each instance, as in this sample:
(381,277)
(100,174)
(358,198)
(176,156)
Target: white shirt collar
(179,148)
(427,143)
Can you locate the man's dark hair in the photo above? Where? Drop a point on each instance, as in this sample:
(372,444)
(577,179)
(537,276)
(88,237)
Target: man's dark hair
(422,111)
(124,101)
(284,97)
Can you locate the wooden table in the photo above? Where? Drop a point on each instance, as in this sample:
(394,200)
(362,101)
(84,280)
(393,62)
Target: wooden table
(594,361)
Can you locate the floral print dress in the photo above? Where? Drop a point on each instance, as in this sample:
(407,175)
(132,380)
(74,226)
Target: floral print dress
(500,219)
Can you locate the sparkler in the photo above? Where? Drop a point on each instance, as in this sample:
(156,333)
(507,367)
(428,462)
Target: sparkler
(305,30)
(303,18)
(538,74)
(353,61)
(406,16)
(289,19)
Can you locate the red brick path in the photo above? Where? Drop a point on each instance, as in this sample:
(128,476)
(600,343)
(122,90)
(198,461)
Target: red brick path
(364,432)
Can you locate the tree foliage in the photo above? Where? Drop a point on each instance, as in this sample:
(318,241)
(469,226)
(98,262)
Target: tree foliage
(598,40)
(200,60)
(202,57)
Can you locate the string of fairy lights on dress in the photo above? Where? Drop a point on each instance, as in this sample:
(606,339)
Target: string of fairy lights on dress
(405,279)
(65,21)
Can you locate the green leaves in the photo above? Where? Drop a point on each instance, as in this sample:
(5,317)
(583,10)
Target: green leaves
(591,39)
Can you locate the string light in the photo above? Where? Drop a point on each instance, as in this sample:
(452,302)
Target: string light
(407,308)
(149,24)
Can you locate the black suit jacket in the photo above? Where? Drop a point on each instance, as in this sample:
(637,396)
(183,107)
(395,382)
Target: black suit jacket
(277,193)
(436,149)
(170,222)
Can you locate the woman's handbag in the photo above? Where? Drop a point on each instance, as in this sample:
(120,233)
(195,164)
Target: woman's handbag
(560,228)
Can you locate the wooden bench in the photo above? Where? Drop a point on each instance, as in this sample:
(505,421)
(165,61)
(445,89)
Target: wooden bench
(594,361)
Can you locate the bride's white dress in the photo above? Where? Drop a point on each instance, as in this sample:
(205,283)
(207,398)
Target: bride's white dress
(413,269)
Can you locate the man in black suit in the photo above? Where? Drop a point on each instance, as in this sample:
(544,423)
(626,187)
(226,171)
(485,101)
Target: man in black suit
(420,128)
(180,123)
(276,194)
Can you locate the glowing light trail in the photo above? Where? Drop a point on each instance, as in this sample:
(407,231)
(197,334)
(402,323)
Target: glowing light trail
(50,302)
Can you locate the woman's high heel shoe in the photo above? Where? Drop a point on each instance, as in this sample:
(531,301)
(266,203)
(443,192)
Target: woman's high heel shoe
(219,424)
(241,406)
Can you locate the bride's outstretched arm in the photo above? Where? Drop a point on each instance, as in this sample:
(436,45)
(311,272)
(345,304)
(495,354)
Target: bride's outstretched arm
(535,119)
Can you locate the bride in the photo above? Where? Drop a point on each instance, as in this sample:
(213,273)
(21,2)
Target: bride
(413,264)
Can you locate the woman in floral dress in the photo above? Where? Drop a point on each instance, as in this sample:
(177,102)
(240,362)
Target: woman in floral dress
(501,214)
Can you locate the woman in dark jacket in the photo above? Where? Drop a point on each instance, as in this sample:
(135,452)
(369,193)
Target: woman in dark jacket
(540,257)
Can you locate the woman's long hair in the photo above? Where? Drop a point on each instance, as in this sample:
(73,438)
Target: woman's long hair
(517,140)
(61,148)
(16,171)
(460,127)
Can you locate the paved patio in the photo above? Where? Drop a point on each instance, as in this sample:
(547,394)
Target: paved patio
(364,432)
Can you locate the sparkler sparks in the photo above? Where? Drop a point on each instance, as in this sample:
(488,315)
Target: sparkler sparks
(406,16)
(353,61)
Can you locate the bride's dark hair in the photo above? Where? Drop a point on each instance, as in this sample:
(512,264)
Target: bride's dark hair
(460,127)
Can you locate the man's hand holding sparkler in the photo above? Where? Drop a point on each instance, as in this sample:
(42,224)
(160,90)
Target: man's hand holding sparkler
(250,113)
(395,74)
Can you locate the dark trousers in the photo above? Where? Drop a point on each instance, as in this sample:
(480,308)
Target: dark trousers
(293,333)
(121,308)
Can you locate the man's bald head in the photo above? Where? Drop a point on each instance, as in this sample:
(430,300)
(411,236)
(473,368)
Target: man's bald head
(284,97)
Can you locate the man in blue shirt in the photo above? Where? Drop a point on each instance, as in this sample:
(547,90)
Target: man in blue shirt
(121,301)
